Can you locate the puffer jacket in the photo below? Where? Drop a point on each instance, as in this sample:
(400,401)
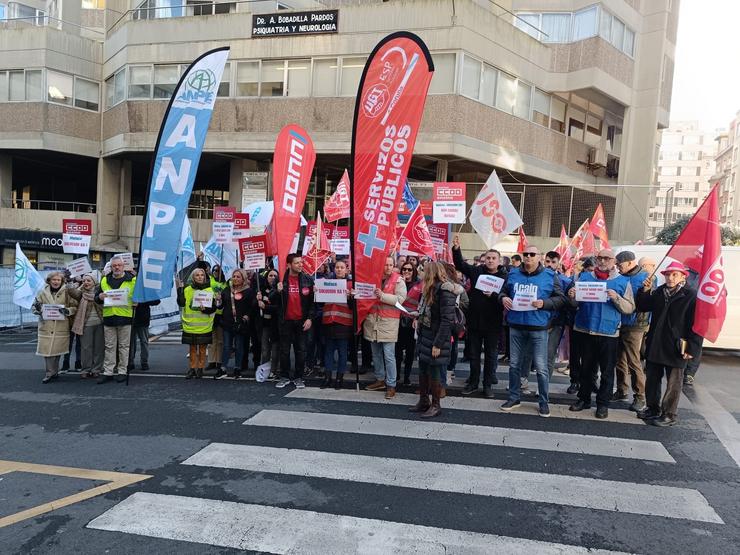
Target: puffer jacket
(439,332)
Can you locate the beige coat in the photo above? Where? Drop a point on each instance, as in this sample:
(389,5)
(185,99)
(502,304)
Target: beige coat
(53,335)
(385,330)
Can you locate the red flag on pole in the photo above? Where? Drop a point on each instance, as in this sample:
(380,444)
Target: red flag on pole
(337,206)
(523,243)
(319,252)
(563,250)
(417,234)
(292,168)
(388,109)
(598,228)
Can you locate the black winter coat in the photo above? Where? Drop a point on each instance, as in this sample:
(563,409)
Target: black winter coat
(243,307)
(143,313)
(672,320)
(439,334)
(485,313)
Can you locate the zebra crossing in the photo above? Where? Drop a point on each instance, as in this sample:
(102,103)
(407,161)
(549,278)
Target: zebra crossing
(323,439)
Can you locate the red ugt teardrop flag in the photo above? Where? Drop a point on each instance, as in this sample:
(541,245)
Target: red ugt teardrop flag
(337,207)
(417,234)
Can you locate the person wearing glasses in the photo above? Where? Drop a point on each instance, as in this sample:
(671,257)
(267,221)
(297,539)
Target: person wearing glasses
(598,323)
(406,343)
(533,296)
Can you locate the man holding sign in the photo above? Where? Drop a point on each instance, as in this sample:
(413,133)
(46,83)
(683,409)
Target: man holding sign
(533,296)
(602,297)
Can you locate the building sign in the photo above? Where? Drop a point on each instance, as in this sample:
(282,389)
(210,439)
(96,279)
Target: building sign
(34,240)
(284,24)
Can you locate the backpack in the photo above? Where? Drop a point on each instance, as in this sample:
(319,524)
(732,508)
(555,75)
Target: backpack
(458,326)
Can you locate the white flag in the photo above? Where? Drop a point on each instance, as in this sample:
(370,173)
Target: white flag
(492,214)
(187,246)
(28,282)
(216,254)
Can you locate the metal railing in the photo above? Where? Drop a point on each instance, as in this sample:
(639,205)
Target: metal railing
(194,212)
(53,205)
(43,20)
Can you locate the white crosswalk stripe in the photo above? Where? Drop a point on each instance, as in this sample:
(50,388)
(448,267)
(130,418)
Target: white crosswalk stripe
(480,435)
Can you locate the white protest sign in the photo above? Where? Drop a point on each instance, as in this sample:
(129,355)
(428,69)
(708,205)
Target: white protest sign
(489,284)
(400,307)
(339,246)
(52,312)
(330,291)
(591,291)
(202,299)
(128,261)
(449,203)
(253,252)
(223,232)
(364,290)
(524,298)
(79,267)
(73,243)
(116,297)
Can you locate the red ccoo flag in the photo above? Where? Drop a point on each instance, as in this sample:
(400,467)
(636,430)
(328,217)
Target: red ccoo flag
(563,250)
(699,248)
(523,243)
(417,234)
(598,228)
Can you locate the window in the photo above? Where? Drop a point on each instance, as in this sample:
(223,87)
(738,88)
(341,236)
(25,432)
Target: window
(668,170)
(555,27)
(593,130)
(60,87)
(139,82)
(443,81)
(3,12)
(605,25)
(325,77)
(541,108)
(247,78)
(557,115)
(30,15)
(115,88)
(471,77)
(299,72)
(698,171)
(576,120)
(488,85)
(523,100)
(351,73)
(505,92)
(87,94)
(165,80)
(272,77)
(696,187)
(585,23)
(93,4)
(617,38)
(614,135)
(3,86)
(629,42)
(224,87)
(529,23)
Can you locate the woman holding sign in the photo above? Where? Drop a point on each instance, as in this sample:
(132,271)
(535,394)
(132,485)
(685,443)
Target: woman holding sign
(88,325)
(199,303)
(239,301)
(54,305)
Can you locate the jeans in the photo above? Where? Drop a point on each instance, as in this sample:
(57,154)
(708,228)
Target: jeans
(485,341)
(598,352)
(235,340)
(554,335)
(341,346)
(523,341)
(270,349)
(453,356)
(140,334)
(291,333)
(384,362)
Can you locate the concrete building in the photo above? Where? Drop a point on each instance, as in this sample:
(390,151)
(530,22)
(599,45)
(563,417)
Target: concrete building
(685,169)
(563,98)
(726,172)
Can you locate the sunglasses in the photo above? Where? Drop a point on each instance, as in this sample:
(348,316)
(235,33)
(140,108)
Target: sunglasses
(529,254)
(604,258)
(407,270)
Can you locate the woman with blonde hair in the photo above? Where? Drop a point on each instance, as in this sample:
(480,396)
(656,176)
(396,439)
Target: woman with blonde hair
(88,326)
(434,332)
(53,333)
(197,319)
(238,301)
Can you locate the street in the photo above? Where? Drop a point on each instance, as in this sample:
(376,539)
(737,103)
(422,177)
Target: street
(206,466)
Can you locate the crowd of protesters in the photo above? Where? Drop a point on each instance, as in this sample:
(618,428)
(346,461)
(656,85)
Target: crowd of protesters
(617,348)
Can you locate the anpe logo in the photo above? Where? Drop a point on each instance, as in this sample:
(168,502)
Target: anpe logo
(376,98)
(199,87)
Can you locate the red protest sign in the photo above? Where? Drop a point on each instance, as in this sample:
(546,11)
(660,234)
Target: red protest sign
(224,213)
(241,226)
(252,250)
(77,227)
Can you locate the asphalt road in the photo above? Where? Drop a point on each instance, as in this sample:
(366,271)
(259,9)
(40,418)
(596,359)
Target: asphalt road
(206,466)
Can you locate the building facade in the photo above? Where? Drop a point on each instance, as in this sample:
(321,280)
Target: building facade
(726,172)
(686,165)
(564,99)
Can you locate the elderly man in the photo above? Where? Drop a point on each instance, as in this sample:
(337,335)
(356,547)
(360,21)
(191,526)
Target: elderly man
(598,322)
(533,295)
(118,315)
(647,264)
(630,374)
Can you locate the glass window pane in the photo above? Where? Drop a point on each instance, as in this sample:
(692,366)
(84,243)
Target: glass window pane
(541,108)
(555,27)
(605,25)
(576,120)
(109,92)
(529,23)
(443,81)
(584,23)
(325,77)
(140,81)
(505,92)
(165,80)
(3,12)
(87,94)
(523,100)
(17,85)
(120,87)
(60,87)
(224,87)
(351,73)
(593,130)
(272,76)
(3,86)
(617,33)
(488,86)
(247,78)
(629,42)
(471,77)
(299,74)
(33,86)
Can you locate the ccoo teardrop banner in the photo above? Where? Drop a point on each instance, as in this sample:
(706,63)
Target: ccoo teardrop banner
(176,157)
(388,109)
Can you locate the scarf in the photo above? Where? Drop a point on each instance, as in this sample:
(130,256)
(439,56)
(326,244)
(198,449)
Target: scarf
(78,327)
(601,275)
(668,292)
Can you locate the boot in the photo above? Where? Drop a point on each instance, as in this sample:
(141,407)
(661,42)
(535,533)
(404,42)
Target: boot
(423,404)
(190,374)
(65,363)
(198,373)
(435,409)
(339,381)
(328,382)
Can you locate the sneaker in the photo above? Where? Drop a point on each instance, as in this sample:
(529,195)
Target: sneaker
(578,406)
(469,389)
(602,412)
(220,374)
(510,405)
(298,383)
(637,405)
(488,393)
(307,371)
(663,421)
(544,411)
(524,383)
(648,414)
(282,382)
(619,396)
(687,380)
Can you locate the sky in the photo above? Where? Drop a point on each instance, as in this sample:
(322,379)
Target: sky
(706,82)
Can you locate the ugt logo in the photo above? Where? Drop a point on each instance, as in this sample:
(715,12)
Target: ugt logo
(200,86)
(490,209)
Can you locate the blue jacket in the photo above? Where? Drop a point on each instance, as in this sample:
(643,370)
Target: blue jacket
(636,319)
(562,316)
(548,289)
(605,318)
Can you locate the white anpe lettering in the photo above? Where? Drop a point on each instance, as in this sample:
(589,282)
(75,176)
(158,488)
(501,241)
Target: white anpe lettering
(184,132)
(151,263)
(158,214)
(178,179)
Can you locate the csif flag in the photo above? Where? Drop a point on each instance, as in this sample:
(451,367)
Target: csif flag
(417,234)
(408,197)
(388,109)
(598,228)
(492,214)
(27,282)
(337,207)
(292,168)
(523,243)
(176,158)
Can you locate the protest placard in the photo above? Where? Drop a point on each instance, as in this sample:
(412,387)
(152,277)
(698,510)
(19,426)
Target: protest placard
(591,291)
(79,267)
(116,297)
(489,284)
(330,291)
(448,206)
(52,312)
(202,299)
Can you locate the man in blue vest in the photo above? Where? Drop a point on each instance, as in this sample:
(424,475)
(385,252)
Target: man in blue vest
(532,294)
(598,321)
